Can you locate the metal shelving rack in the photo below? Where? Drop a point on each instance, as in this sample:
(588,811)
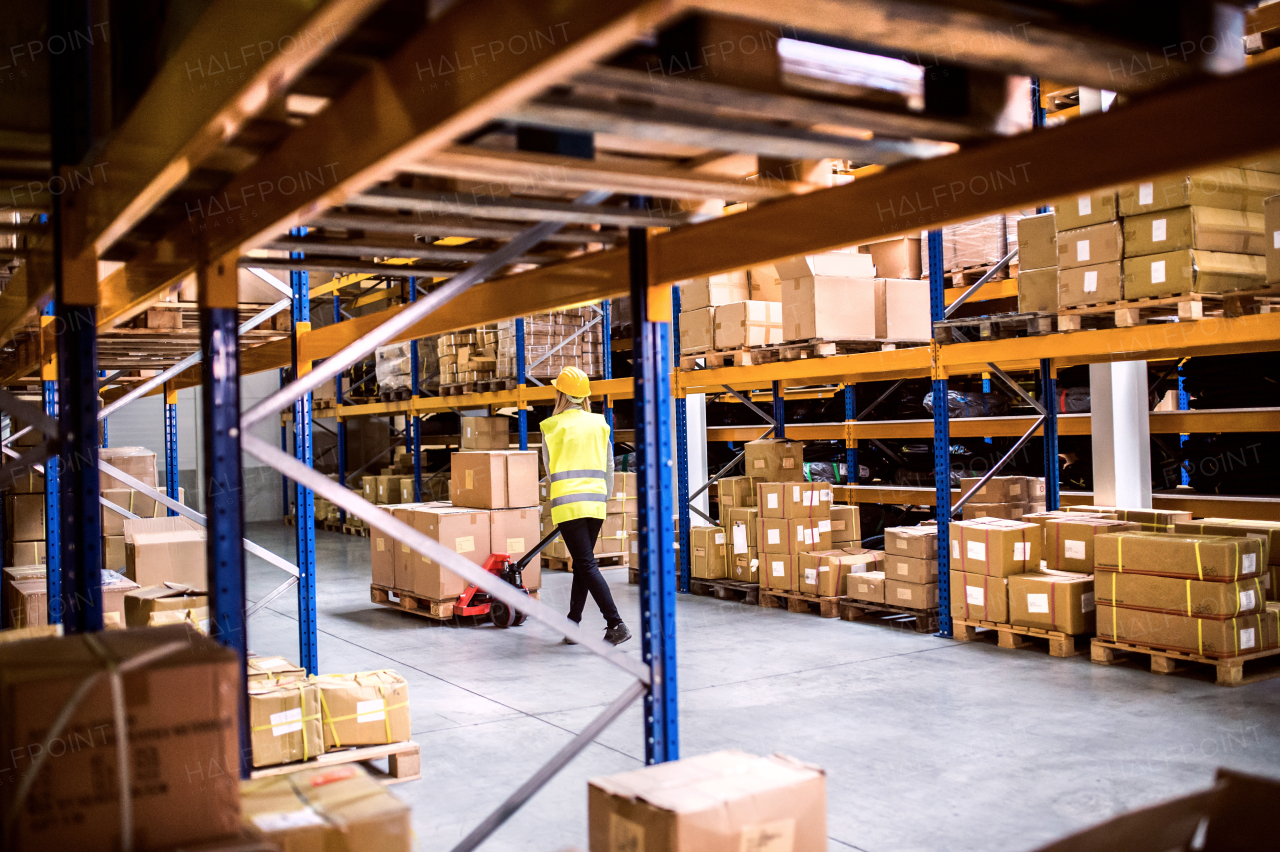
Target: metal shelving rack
(787,220)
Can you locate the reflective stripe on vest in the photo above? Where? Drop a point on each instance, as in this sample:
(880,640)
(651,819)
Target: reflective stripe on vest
(576,474)
(578,498)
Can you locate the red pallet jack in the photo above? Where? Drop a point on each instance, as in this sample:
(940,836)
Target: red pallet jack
(476,601)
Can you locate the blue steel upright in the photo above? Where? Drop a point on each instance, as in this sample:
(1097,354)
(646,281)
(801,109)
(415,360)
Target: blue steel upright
(284,446)
(224,485)
(850,447)
(941,442)
(606,349)
(1052,487)
(171,445)
(1184,403)
(340,423)
(779,412)
(304,499)
(52,512)
(522,414)
(413,422)
(651,322)
(102,424)
(682,457)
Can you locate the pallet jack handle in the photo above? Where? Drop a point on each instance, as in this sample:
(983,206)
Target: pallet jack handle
(537,548)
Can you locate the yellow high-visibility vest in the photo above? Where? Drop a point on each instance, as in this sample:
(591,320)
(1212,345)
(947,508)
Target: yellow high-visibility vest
(578,444)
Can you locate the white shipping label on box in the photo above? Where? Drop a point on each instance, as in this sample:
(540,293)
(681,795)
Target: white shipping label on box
(1086,602)
(1247,600)
(271,664)
(635,546)
(778,569)
(382,544)
(902,544)
(976,550)
(466,544)
(974,595)
(824,527)
(808,535)
(468,431)
(1248,638)
(1073,549)
(903,568)
(1157,272)
(1091,281)
(373,710)
(1159,229)
(1146,193)
(1082,251)
(1021,551)
(1249,563)
(1275,240)
(1038,603)
(719,538)
(955,548)
(811,576)
(288,820)
(806,499)
(903,594)
(774,536)
(795,494)
(739,538)
(515,545)
(286,722)
(1084,204)
(772,501)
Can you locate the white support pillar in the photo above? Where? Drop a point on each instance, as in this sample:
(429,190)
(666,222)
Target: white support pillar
(696,414)
(1121,434)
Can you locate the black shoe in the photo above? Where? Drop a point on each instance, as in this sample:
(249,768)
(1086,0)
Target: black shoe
(617,634)
(567,641)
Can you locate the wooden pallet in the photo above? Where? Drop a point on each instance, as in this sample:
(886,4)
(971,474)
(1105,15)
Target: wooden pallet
(394,395)
(800,602)
(1186,307)
(330,526)
(995,327)
(726,590)
(416,604)
(921,620)
(798,350)
(605,560)
(352,530)
(1229,671)
(494,385)
(1013,636)
(404,762)
(967,276)
(457,389)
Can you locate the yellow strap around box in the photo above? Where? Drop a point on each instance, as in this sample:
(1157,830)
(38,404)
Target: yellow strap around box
(1120,554)
(1200,631)
(302,705)
(1199,564)
(1189,598)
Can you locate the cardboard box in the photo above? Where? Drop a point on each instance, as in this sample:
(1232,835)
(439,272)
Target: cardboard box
(141,603)
(727,801)
(1189,271)
(846,526)
(920,542)
(906,310)
(464,531)
(1038,290)
(114,556)
(697,331)
(134,502)
(998,489)
(407,494)
(1037,242)
(515,532)
(369,708)
(822,572)
(284,721)
(742,324)
(1226,188)
(979,597)
(906,569)
(496,479)
(486,433)
(774,460)
(1267,530)
(723,289)
(897,258)
(1091,285)
(996,547)
(737,492)
(766,286)
(369,488)
(272,668)
(995,511)
(29,553)
(1150,520)
(182,718)
(153,558)
(1052,602)
(382,552)
(24,519)
(1069,543)
(911,595)
(832,308)
(778,571)
(1090,246)
(744,530)
(338,809)
(867,586)
(1199,598)
(708,559)
(843,264)
(613,534)
(623,498)
(1271,238)
(1204,557)
(1083,210)
(1202,228)
(745,567)
(809,534)
(138,462)
(795,499)
(25,481)
(1207,637)
(388,489)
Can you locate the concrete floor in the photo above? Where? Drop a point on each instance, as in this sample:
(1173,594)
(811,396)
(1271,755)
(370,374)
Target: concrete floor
(928,744)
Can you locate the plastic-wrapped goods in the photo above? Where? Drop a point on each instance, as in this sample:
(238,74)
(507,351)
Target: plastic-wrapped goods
(553,341)
(393,366)
(980,242)
(971,404)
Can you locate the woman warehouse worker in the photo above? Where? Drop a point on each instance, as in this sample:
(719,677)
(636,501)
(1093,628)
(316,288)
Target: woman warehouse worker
(577,451)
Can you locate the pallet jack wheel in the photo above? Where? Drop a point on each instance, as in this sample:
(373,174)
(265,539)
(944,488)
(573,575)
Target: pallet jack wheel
(520,619)
(502,615)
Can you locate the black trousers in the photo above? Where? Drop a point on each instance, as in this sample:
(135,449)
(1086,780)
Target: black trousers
(580,536)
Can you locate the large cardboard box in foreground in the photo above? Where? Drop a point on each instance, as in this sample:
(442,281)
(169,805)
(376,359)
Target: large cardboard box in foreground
(464,531)
(335,809)
(182,708)
(774,460)
(496,479)
(727,801)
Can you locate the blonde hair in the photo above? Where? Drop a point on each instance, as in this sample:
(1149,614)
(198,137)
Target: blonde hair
(564,403)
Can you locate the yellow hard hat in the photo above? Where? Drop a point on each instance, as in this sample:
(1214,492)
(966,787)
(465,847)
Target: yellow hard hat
(572,382)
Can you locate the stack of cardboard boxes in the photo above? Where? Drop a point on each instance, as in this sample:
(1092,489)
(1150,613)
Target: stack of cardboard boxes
(24,519)
(1268,532)
(468,356)
(907,574)
(1008,497)
(619,530)
(1038,264)
(838,296)
(559,336)
(726,312)
(1090,246)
